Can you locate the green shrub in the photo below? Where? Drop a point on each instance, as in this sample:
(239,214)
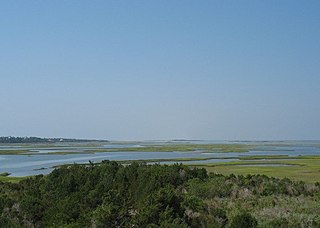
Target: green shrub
(244,220)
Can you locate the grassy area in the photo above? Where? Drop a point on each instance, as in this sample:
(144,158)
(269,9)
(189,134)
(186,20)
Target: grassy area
(303,168)
(14,152)
(11,179)
(6,178)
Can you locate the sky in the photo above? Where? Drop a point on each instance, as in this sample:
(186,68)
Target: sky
(160,69)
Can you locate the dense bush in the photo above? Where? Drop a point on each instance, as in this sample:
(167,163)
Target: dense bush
(139,195)
(243,220)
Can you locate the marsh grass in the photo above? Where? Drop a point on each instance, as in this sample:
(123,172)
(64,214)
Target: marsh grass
(11,179)
(300,168)
(14,152)
(94,148)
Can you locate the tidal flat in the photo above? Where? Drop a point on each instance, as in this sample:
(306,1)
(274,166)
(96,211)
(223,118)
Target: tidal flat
(296,159)
(121,147)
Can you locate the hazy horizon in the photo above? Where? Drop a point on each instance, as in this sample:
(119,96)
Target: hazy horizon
(160,70)
(170,139)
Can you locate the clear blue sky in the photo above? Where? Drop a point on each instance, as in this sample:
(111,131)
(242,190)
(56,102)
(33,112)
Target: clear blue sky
(160,69)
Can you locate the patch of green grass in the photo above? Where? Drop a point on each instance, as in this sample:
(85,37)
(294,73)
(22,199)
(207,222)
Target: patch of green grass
(11,179)
(14,152)
(303,168)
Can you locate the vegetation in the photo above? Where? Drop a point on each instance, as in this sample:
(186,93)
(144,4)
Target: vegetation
(187,147)
(15,152)
(70,146)
(305,168)
(138,195)
(63,148)
(11,179)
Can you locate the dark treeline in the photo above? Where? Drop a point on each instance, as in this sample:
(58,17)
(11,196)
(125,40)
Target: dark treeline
(11,139)
(139,195)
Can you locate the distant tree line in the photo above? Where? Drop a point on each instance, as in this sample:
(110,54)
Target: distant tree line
(12,139)
(140,195)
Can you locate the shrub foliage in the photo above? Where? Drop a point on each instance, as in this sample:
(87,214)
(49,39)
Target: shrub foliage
(139,195)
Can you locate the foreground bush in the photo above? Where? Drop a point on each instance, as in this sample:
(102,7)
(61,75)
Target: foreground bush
(139,195)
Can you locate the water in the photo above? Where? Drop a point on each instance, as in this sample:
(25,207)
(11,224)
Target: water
(43,162)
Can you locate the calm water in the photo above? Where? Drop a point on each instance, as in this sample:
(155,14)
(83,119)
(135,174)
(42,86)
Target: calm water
(43,162)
